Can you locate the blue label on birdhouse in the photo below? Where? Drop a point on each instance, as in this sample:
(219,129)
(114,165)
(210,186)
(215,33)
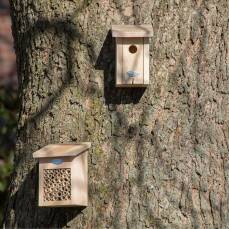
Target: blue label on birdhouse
(57,161)
(132,74)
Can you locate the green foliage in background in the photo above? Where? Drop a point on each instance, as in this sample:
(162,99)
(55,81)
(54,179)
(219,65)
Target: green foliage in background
(8,110)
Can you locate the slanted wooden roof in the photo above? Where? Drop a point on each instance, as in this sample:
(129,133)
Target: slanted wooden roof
(132,30)
(62,150)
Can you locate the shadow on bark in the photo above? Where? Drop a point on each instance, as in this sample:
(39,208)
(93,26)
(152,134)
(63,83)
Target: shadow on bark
(54,217)
(71,33)
(22,210)
(106,62)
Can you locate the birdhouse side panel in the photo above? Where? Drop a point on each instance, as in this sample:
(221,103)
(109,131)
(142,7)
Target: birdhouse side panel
(80,180)
(119,60)
(146,60)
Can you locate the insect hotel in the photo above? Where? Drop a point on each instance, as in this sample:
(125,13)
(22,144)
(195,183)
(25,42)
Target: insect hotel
(132,54)
(63,174)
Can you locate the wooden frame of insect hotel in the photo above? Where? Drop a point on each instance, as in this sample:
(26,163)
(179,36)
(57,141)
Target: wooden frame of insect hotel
(132,54)
(63,174)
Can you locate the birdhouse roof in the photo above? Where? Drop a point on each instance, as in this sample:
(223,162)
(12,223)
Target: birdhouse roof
(132,30)
(62,150)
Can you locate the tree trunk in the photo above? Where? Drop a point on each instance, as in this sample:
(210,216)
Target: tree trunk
(159,157)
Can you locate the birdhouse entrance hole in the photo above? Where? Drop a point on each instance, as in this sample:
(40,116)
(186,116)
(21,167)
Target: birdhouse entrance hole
(133,49)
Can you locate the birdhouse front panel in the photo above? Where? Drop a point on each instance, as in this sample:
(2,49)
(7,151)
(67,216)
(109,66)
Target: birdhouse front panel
(133,64)
(63,175)
(132,55)
(57,185)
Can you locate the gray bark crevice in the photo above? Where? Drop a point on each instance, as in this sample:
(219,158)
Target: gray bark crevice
(160,156)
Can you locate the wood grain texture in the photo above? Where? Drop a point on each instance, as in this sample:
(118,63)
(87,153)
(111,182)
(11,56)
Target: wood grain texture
(146,60)
(160,156)
(133,61)
(119,60)
(62,150)
(132,31)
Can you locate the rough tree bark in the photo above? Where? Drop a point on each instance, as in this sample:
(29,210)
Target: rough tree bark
(160,156)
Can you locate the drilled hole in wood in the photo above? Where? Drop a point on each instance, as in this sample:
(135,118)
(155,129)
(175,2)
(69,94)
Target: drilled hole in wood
(133,49)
